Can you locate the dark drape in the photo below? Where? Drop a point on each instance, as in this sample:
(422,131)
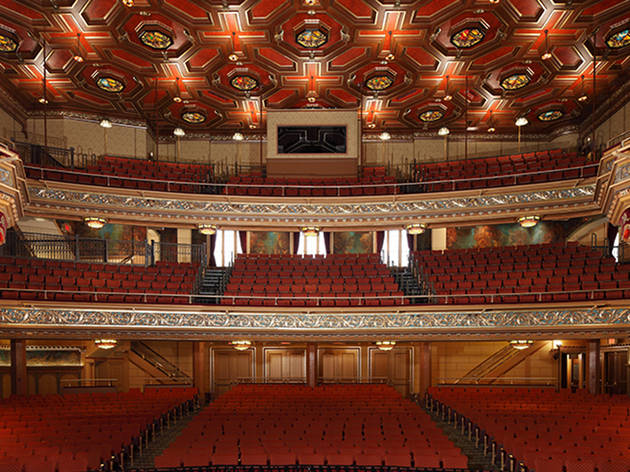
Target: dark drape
(296,241)
(243,237)
(380,239)
(611,234)
(327,241)
(410,238)
(211,244)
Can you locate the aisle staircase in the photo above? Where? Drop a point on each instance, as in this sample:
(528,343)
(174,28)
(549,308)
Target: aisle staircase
(213,285)
(409,284)
(159,369)
(476,459)
(146,459)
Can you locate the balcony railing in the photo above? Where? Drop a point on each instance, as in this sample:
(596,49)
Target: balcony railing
(284,190)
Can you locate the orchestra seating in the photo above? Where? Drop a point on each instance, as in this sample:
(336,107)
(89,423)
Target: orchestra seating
(549,430)
(373,181)
(292,280)
(515,169)
(46,279)
(132,173)
(72,432)
(281,424)
(523,274)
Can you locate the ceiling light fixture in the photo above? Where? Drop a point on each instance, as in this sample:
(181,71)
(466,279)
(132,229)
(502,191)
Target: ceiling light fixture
(94,222)
(179,132)
(241,344)
(416,228)
(390,57)
(385,345)
(385,136)
(233,57)
(311,99)
(78,57)
(444,131)
(43,101)
(521,344)
(371,125)
(521,121)
(494,1)
(176,97)
(546,55)
(128,3)
(207,229)
(105,343)
(310,231)
(528,221)
(105,123)
(448,97)
(583,97)
(492,129)
(238,136)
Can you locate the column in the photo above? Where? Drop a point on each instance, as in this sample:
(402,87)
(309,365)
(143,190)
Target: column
(201,373)
(311,364)
(424,361)
(19,380)
(594,367)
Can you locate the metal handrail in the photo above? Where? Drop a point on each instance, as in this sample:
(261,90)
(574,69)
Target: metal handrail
(224,188)
(463,381)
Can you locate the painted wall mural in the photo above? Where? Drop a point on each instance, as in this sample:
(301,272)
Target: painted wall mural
(352,242)
(269,242)
(510,234)
(45,357)
(119,237)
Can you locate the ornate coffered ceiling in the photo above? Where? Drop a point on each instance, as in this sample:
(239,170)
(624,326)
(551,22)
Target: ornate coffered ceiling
(208,65)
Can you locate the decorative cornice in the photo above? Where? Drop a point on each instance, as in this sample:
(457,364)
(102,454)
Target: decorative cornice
(286,211)
(412,323)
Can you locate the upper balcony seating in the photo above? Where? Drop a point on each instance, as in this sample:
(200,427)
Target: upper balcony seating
(515,169)
(69,433)
(522,274)
(42,279)
(548,430)
(291,280)
(370,425)
(373,181)
(132,173)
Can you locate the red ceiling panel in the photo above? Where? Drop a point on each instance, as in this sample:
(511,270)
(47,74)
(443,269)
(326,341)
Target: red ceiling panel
(345,44)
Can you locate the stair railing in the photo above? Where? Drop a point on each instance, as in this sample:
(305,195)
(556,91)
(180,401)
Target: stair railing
(158,361)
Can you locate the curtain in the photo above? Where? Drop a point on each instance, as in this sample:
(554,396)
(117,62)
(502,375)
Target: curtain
(380,239)
(327,241)
(212,243)
(242,235)
(611,234)
(296,241)
(410,238)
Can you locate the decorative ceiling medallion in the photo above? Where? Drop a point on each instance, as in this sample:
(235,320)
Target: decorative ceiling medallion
(7,44)
(550,115)
(467,37)
(619,39)
(431,115)
(312,38)
(515,81)
(156,39)
(244,82)
(193,117)
(110,84)
(379,82)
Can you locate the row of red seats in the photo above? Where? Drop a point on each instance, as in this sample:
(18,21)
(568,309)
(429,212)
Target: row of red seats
(72,433)
(550,431)
(467,276)
(30,280)
(289,424)
(515,169)
(285,281)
